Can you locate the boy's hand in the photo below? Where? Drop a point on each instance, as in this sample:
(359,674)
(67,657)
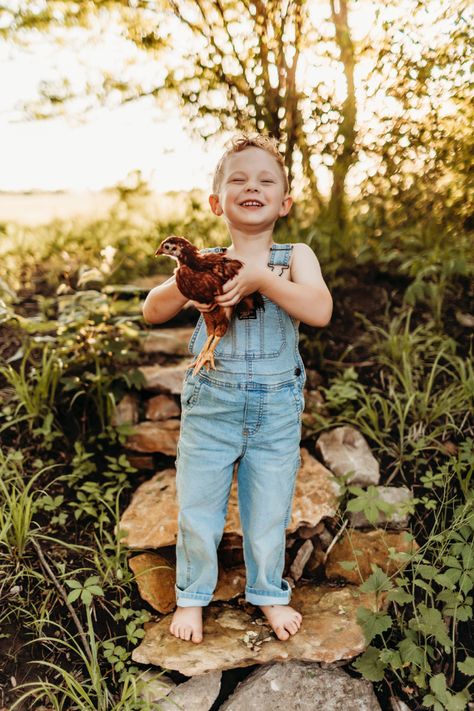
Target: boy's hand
(203,308)
(247,281)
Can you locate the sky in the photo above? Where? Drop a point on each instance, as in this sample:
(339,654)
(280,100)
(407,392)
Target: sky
(94,150)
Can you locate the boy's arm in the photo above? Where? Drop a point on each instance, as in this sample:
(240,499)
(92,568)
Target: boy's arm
(306,297)
(163,302)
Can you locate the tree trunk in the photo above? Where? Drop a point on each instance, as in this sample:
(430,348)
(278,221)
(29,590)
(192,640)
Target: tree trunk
(337,208)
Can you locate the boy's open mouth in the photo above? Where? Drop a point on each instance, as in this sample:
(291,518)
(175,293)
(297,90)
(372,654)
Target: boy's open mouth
(251,203)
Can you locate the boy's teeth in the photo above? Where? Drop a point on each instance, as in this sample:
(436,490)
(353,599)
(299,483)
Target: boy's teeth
(252,203)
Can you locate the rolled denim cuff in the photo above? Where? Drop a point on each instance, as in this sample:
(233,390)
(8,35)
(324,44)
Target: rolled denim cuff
(262,597)
(191,599)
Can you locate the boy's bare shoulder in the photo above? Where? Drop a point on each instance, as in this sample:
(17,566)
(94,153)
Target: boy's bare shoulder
(304,265)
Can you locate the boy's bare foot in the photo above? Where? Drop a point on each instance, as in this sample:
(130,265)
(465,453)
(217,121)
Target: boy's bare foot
(187,624)
(284,620)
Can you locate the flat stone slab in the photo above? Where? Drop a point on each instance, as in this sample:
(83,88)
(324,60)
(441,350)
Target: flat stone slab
(344,449)
(165,378)
(196,694)
(155,437)
(317,493)
(303,686)
(329,633)
(172,341)
(126,411)
(162,407)
(155,578)
(151,519)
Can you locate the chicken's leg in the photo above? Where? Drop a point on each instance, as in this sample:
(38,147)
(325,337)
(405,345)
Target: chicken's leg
(204,349)
(217,321)
(206,356)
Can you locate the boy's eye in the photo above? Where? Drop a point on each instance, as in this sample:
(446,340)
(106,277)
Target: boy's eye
(268,181)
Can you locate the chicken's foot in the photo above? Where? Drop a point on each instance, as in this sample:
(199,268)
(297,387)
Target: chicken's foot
(206,356)
(203,350)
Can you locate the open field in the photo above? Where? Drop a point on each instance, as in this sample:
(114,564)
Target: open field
(36,208)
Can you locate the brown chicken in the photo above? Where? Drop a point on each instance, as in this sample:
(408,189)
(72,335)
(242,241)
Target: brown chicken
(201,277)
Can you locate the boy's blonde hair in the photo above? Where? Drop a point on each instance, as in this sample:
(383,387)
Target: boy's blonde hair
(242,141)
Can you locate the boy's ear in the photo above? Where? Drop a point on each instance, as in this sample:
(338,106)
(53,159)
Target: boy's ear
(215,204)
(286,204)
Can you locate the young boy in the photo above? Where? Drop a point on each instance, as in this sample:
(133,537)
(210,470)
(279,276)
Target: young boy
(249,409)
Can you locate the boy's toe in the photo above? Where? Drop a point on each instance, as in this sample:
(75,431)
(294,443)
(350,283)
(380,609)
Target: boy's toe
(292,627)
(197,637)
(281,633)
(187,634)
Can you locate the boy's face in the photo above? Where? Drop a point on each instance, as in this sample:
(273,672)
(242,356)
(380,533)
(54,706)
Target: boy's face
(252,192)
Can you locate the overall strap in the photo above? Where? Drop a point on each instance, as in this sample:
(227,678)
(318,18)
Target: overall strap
(212,249)
(280,257)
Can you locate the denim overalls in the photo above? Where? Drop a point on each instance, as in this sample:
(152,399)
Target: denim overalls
(247,410)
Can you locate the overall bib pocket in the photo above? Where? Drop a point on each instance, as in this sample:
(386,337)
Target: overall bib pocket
(249,338)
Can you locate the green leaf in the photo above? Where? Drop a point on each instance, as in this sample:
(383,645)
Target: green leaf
(73,595)
(467,666)
(73,584)
(399,595)
(427,571)
(86,597)
(431,624)
(373,623)
(438,685)
(411,653)
(377,582)
(370,665)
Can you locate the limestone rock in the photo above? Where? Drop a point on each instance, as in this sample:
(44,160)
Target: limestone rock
(196,694)
(344,449)
(164,378)
(162,407)
(329,632)
(172,341)
(141,461)
(310,531)
(302,557)
(317,493)
(126,411)
(363,549)
(230,583)
(153,686)
(399,497)
(151,519)
(314,566)
(155,578)
(303,686)
(155,437)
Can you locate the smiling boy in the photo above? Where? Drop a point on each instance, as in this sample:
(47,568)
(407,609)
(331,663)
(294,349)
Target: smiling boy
(249,409)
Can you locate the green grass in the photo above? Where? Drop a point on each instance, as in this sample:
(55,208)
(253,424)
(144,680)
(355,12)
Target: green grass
(64,480)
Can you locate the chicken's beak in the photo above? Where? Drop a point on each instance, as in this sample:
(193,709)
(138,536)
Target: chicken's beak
(158,251)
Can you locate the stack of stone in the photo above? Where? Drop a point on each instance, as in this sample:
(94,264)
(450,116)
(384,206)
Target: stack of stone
(326,559)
